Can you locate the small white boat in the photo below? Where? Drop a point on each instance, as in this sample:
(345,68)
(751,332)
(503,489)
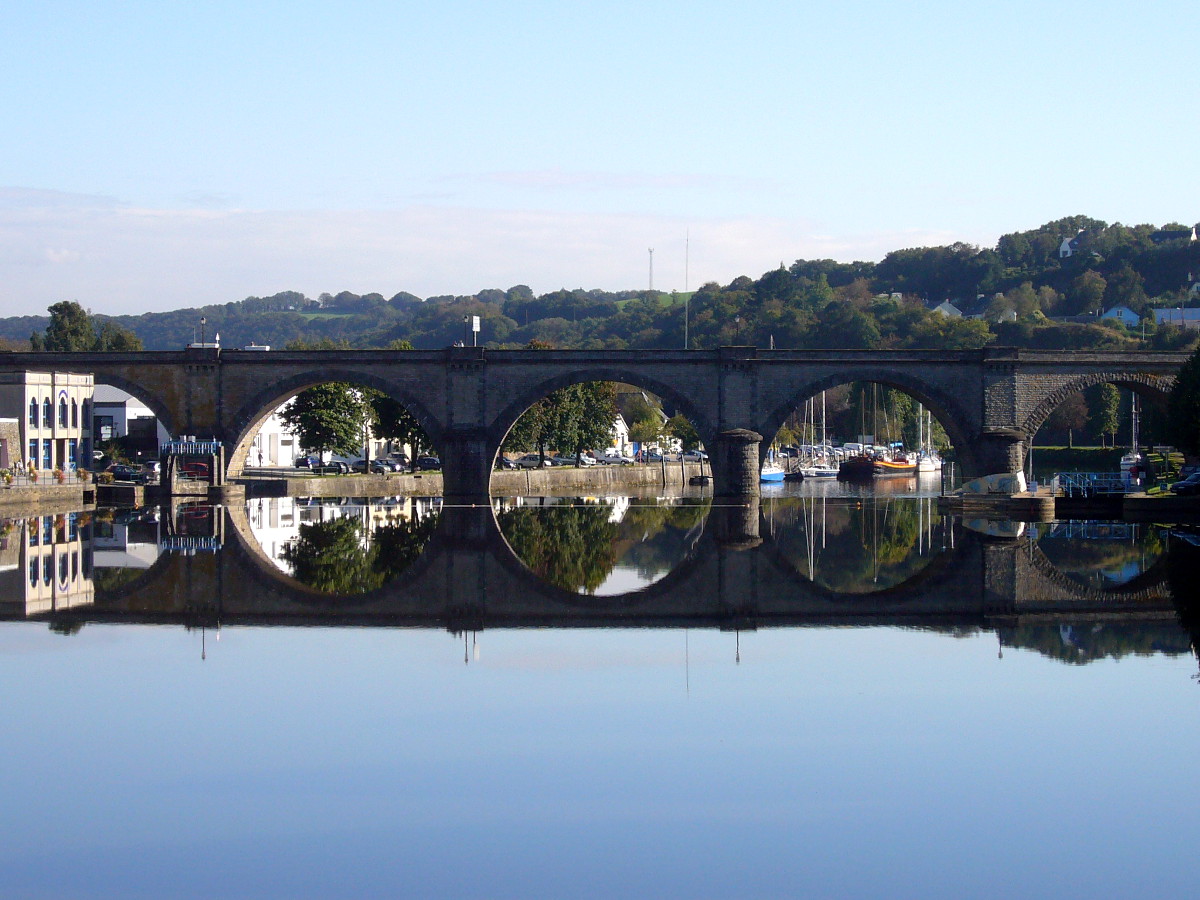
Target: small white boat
(771,472)
(928,462)
(819,470)
(1132,460)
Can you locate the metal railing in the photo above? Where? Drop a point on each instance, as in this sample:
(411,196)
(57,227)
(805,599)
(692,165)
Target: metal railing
(191,448)
(22,477)
(189,543)
(1090,484)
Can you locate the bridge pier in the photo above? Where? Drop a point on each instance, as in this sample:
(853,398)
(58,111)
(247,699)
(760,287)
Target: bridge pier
(735,463)
(735,525)
(466,466)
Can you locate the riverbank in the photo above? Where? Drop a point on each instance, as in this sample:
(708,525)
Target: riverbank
(505,482)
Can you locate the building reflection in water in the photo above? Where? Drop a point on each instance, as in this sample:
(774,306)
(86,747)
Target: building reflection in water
(46,564)
(1072,591)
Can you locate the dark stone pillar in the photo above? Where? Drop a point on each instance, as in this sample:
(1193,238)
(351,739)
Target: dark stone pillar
(467,527)
(998,451)
(466,466)
(734,523)
(735,463)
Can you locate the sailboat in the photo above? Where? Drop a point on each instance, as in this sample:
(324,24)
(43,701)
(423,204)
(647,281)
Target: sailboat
(928,460)
(820,466)
(1133,459)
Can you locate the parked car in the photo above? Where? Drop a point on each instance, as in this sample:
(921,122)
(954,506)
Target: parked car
(1188,487)
(532,461)
(561,460)
(694,456)
(503,462)
(374,466)
(122,472)
(195,470)
(308,462)
(401,460)
(652,456)
(427,463)
(613,457)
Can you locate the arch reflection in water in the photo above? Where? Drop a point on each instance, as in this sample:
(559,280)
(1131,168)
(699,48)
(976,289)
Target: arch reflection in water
(340,545)
(601,546)
(849,542)
(1104,556)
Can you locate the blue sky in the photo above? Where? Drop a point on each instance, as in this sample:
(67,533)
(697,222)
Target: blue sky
(159,155)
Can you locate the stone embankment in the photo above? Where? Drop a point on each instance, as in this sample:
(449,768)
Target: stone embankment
(37,499)
(505,482)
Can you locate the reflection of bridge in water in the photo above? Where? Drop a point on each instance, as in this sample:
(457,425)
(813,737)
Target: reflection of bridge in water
(468,579)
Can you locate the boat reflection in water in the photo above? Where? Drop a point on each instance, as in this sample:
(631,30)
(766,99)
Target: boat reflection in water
(808,554)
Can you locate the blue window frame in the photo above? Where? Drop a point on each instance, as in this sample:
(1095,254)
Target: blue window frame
(47,413)
(47,453)
(33,420)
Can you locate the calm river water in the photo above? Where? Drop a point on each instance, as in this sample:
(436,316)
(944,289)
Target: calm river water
(837,694)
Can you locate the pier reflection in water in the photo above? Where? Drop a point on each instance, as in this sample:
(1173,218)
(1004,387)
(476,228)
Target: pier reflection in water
(667,712)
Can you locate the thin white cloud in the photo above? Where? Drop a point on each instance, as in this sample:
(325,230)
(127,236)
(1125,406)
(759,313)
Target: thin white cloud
(124,260)
(554,180)
(12,197)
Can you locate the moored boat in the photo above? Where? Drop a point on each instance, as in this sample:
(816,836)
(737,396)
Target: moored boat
(819,470)
(894,467)
(857,468)
(771,472)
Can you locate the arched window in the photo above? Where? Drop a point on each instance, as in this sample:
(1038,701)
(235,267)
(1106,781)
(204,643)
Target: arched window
(33,412)
(47,413)
(62,412)
(74,413)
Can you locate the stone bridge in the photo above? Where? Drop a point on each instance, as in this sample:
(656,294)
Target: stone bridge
(469,579)
(989,401)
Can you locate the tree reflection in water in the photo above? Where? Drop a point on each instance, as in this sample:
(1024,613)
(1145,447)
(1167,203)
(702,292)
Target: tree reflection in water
(1101,555)
(853,545)
(346,556)
(577,544)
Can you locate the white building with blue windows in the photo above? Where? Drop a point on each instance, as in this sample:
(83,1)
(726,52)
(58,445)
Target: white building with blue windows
(54,414)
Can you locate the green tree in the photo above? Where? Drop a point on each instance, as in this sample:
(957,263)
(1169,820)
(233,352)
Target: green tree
(328,417)
(1183,407)
(1104,405)
(73,329)
(679,426)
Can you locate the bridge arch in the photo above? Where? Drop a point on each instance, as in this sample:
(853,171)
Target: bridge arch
(949,412)
(504,420)
(1153,386)
(139,391)
(246,422)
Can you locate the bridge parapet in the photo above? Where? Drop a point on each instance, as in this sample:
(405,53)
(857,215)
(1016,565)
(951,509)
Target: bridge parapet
(990,401)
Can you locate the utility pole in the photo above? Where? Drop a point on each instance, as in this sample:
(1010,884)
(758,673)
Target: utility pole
(651,268)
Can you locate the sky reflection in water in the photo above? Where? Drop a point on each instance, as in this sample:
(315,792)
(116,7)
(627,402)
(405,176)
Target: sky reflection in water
(338,762)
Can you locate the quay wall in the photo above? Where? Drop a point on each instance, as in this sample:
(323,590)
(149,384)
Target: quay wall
(505,482)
